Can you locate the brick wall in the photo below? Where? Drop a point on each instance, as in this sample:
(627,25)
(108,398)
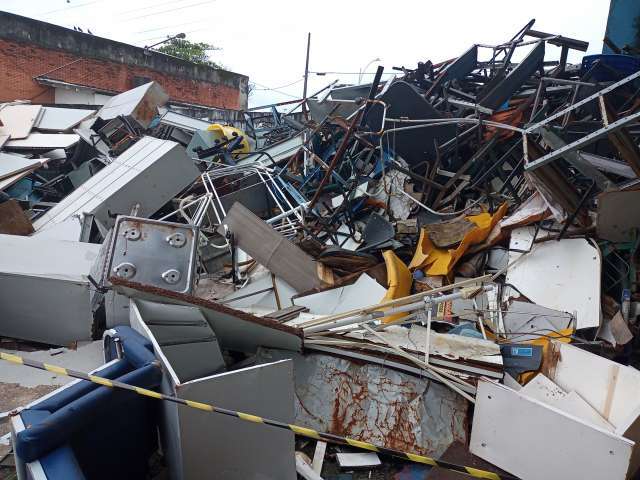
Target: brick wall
(21,62)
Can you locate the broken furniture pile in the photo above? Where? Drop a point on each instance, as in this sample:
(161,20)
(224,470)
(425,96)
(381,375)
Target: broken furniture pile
(464,233)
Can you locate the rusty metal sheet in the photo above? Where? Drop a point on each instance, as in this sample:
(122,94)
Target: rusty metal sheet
(374,404)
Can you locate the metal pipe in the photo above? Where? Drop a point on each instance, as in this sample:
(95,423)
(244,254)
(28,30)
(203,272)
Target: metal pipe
(390,311)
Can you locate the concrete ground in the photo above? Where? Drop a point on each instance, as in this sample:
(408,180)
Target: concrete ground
(21,385)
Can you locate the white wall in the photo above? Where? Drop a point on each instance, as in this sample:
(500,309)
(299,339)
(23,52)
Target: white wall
(81,96)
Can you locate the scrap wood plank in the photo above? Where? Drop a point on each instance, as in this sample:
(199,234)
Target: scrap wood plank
(13,220)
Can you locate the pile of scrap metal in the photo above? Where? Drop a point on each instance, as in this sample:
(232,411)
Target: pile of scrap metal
(464,233)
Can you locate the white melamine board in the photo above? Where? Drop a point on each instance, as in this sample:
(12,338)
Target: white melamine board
(612,389)
(562,275)
(18,120)
(43,141)
(536,442)
(62,119)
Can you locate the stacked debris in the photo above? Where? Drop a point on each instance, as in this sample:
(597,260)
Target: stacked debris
(464,233)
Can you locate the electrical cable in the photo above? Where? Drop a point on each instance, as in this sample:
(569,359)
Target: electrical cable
(282,86)
(167,11)
(70,7)
(267,88)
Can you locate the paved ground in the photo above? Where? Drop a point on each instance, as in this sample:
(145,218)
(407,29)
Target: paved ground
(20,385)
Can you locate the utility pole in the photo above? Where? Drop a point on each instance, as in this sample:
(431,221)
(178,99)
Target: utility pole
(306,78)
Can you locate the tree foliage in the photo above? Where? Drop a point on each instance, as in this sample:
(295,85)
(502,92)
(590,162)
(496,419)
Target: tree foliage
(196,52)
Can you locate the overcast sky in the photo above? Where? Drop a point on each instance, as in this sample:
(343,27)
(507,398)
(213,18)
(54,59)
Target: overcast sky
(267,40)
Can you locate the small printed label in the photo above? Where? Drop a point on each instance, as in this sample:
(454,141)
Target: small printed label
(522,351)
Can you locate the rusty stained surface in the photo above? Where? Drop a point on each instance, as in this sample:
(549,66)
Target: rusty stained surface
(375,404)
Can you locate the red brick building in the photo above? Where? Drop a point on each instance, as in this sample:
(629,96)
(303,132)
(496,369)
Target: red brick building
(46,63)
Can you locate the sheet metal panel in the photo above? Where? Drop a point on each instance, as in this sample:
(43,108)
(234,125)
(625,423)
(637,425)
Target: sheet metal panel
(270,249)
(44,291)
(374,404)
(237,450)
(149,173)
(62,119)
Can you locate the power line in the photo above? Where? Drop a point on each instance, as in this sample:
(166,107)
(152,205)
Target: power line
(265,87)
(171,26)
(153,5)
(282,86)
(164,36)
(351,73)
(71,7)
(167,11)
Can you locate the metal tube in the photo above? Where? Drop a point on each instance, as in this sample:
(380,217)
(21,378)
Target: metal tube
(389,311)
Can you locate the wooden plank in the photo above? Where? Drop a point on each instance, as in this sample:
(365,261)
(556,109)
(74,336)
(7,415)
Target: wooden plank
(13,220)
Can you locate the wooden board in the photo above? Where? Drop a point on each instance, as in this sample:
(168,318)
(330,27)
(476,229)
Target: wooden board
(13,220)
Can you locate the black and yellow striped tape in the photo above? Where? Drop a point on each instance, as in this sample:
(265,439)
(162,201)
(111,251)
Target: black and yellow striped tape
(298,430)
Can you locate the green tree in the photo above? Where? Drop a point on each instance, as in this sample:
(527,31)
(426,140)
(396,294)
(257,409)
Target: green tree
(196,52)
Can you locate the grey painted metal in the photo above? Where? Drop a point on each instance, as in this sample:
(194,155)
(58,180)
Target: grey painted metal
(585,168)
(44,141)
(278,151)
(197,444)
(271,249)
(533,128)
(609,165)
(235,330)
(184,122)
(582,142)
(239,450)
(44,290)
(13,164)
(499,92)
(148,174)
(184,337)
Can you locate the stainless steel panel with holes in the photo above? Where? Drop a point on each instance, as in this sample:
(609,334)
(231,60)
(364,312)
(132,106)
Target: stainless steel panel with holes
(152,252)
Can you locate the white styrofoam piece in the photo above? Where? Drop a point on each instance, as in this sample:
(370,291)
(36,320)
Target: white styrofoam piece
(44,141)
(535,441)
(62,119)
(18,120)
(562,275)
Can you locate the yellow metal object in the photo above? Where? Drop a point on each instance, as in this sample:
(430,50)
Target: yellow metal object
(225,133)
(440,261)
(399,279)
